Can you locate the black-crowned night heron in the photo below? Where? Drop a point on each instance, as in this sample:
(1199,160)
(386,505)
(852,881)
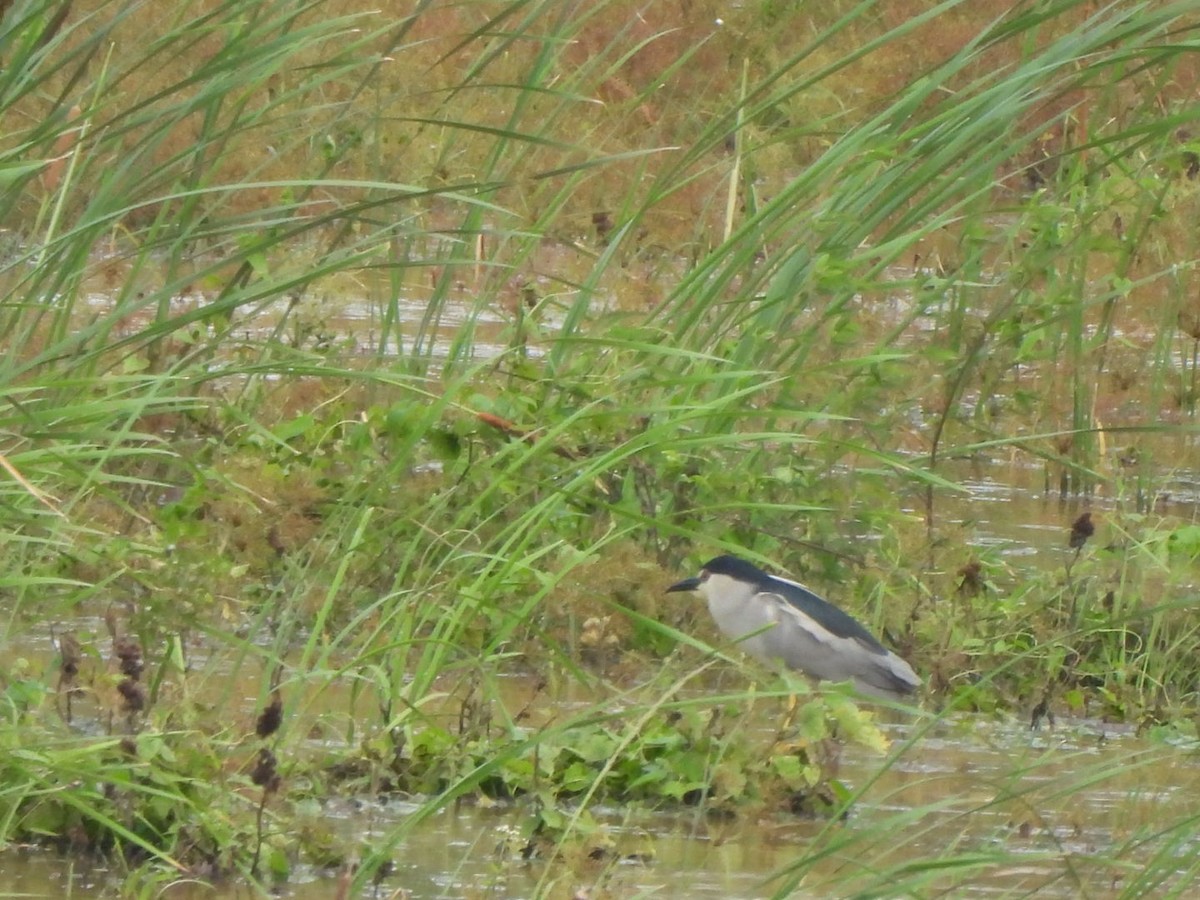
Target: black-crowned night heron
(776,620)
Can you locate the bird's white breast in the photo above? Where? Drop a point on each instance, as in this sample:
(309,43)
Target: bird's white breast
(729,603)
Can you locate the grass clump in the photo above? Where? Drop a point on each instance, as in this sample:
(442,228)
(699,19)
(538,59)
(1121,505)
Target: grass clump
(676,290)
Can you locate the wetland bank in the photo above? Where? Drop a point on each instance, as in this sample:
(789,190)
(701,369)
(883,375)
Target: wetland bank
(368,379)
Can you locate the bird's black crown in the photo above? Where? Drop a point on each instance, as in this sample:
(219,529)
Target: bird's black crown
(736,568)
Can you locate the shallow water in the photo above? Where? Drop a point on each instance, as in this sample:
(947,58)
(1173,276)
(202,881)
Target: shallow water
(1047,808)
(1000,789)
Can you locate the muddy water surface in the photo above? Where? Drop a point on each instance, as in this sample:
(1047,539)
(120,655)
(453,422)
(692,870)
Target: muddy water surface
(1042,809)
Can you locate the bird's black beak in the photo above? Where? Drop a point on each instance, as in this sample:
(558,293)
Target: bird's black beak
(688,584)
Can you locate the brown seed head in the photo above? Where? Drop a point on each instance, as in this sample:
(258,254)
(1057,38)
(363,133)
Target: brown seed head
(71,655)
(133,695)
(271,717)
(129,652)
(1081,530)
(265,774)
(972,579)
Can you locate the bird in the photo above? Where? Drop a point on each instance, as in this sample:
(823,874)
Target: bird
(779,621)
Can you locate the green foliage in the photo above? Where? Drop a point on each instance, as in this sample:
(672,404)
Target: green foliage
(538,421)
(688,755)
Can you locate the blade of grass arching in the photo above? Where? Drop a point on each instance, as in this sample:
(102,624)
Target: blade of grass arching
(780,294)
(880,197)
(497,167)
(81,239)
(11,467)
(254,46)
(316,649)
(547,41)
(518,544)
(48,53)
(551,190)
(203,91)
(816,173)
(42,770)
(1172,870)
(265,291)
(520,535)
(419,583)
(210,145)
(779,84)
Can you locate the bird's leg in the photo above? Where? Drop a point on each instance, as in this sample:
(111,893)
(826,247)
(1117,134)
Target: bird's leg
(789,716)
(786,725)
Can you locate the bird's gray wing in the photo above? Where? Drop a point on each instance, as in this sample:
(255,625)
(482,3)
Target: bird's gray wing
(828,640)
(851,654)
(825,617)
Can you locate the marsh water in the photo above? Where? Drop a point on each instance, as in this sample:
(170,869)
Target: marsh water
(1051,801)
(1046,802)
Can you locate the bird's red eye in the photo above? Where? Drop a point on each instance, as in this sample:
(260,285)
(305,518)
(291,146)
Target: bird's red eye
(704,576)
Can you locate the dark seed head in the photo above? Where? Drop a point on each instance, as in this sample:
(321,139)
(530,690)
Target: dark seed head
(1081,530)
(972,579)
(271,717)
(129,652)
(265,774)
(133,695)
(71,654)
